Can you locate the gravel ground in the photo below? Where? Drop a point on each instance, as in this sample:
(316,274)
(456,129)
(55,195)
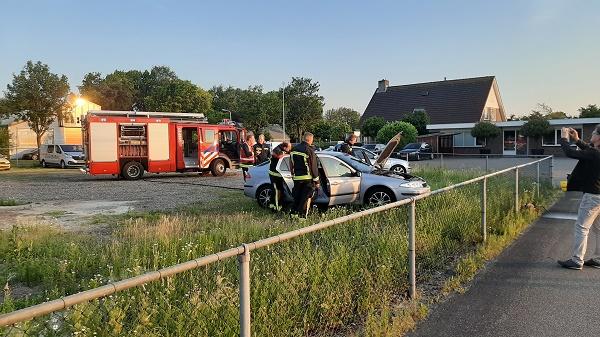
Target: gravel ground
(69,198)
(153,192)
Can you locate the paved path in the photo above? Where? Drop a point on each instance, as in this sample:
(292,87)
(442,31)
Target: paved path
(524,292)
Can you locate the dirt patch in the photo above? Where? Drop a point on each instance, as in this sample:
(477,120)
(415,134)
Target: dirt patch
(67,215)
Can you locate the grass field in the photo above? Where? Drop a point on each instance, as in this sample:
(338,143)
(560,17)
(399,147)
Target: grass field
(348,280)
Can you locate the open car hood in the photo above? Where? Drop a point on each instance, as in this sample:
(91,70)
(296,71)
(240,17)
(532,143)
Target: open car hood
(388,150)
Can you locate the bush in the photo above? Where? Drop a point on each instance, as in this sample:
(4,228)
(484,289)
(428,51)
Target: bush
(536,127)
(409,133)
(371,126)
(419,119)
(485,130)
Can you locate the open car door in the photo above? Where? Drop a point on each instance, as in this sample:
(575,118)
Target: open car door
(341,183)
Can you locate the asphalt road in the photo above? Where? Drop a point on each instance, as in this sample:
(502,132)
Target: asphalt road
(524,292)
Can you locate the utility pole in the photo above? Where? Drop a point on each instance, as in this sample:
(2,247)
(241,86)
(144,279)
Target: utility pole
(283,109)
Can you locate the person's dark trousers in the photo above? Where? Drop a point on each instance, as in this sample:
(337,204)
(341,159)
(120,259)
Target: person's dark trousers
(277,183)
(303,191)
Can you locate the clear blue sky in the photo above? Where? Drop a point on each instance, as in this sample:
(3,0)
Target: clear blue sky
(540,50)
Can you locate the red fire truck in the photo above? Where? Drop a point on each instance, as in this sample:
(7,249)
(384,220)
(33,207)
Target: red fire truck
(127,143)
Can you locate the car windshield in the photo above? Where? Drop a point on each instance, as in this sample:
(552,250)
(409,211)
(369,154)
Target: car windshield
(72,148)
(369,146)
(412,146)
(357,164)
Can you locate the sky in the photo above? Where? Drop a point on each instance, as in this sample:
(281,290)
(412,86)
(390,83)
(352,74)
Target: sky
(540,50)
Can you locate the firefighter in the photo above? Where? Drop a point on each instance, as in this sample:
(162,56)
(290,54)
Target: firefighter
(261,150)
(348,144)
(305,174)
(246,154)
(276,178)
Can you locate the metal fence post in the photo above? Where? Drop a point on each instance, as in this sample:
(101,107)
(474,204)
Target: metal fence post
(551,168)
(537,179)
(517,190)
(486,163)
(484,210)
(244,267)
(442,160)
(411,250)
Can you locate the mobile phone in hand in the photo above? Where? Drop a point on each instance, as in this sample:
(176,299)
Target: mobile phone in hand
(564,133)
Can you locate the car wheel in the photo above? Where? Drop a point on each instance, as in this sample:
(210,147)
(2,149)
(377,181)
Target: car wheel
(35,157)
(379,196)
(398,169)
(431,156)
(62,164)
(264,195)
(132,170)
(217,167)
(44,164)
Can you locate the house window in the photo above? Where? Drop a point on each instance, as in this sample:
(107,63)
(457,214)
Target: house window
(553,139)
(419,110)
(464,139)
(489,114)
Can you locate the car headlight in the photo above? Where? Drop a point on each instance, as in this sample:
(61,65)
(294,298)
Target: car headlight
(412,184)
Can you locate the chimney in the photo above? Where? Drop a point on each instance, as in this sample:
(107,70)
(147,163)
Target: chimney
(383,85)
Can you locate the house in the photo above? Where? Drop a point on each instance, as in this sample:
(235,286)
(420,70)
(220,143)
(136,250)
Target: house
(466,100)
(511,141)
(65,131)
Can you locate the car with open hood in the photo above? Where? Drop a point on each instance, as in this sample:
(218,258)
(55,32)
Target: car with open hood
(344,180)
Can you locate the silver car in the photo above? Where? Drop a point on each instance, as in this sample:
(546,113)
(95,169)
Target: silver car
(344,180)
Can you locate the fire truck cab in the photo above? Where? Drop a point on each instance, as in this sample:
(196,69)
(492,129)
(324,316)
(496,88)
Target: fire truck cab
(128,143)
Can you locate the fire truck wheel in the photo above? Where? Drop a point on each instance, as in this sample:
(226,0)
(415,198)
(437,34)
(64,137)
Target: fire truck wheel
(217,167)
(133,170)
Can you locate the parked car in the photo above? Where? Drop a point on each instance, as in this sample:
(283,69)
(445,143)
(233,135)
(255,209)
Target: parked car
(392,164)
(369,157)
(416,151)
(4,163)
(32,154)
(344,180)
(377,148)
(62,155)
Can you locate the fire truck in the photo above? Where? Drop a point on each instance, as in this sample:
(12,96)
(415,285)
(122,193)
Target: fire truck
(129,143)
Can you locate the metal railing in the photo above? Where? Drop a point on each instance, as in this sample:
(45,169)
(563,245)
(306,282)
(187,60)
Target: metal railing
(243,252)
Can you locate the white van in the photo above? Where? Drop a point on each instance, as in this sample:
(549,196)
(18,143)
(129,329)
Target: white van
(62,155)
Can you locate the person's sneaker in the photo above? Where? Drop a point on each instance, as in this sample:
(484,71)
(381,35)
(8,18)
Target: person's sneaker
(570,264)
(594,263)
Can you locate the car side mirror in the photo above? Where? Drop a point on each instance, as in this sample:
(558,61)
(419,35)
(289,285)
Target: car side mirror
(357,174)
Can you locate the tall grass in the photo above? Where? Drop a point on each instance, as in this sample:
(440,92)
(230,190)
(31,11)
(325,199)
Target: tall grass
(348,279)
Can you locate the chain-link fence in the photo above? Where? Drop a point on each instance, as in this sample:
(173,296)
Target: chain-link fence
(313,281)
(22,157)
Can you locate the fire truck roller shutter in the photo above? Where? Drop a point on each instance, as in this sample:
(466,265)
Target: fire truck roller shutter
(103,157)
(158,148)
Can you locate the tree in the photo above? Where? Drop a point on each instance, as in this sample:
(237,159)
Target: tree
(589,111)
(485,130)
(371,126)
(322,131)
(409,133)
(304,105)
(513,117)
(157,89)
(343,115)
(536,126)
(419,119)
(38,97)
(4,141)
(556,115)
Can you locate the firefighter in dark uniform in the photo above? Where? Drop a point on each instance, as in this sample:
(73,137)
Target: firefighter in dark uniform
(348,144)
(261,150)
(246,154)
(276,178)
(305,174)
